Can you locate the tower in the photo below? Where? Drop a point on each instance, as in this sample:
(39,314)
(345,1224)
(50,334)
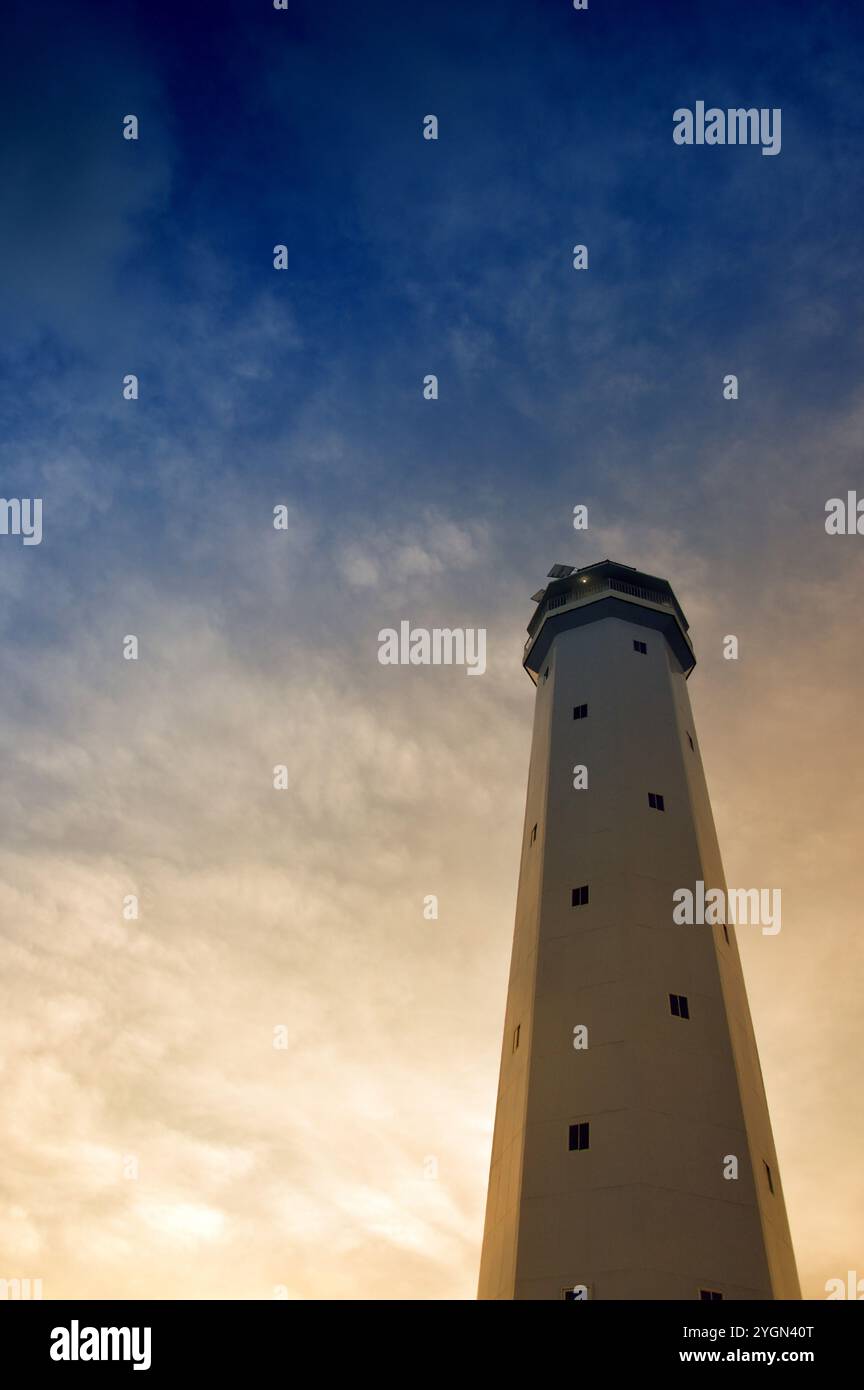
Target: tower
(630,1090)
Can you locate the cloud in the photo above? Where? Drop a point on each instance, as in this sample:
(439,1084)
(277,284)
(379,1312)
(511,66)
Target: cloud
(304,1167)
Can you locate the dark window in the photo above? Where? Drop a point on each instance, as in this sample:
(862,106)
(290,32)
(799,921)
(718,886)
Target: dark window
(692,744)
(726,933)
(709,1295)
(679,1006)
(534,834)
(656,802)
(640,647)
(580,711)
(579,896)
(516,1036)
(768,1176)
(579,1136)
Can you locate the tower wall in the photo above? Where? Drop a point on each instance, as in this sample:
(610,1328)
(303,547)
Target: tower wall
(644,1212)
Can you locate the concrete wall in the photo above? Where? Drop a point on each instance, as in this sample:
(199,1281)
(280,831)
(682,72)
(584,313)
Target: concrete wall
(645,1211)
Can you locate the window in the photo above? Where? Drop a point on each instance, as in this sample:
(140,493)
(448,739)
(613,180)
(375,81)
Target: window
(516,1033)
(579,1137)
(692,744)
(769,1177)
(656,802)
(534,834)
(579,896)
(679,1006)
(709,1295)
(640,647)
(580,711)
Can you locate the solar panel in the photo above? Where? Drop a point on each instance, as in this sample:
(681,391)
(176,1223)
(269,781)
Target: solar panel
(561,571)
(535,598)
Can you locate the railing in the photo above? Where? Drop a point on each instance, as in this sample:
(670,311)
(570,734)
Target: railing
(652,595)
(599,586)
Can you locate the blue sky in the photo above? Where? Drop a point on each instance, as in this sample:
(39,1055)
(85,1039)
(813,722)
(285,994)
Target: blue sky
(409,256)
(258,387)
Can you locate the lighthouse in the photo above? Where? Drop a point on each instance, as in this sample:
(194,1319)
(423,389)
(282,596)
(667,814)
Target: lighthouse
(632,1155)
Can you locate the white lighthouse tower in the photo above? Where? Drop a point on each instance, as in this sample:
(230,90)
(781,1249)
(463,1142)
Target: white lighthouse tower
(632,1156)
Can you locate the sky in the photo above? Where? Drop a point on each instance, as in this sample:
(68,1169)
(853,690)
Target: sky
(156,1144)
